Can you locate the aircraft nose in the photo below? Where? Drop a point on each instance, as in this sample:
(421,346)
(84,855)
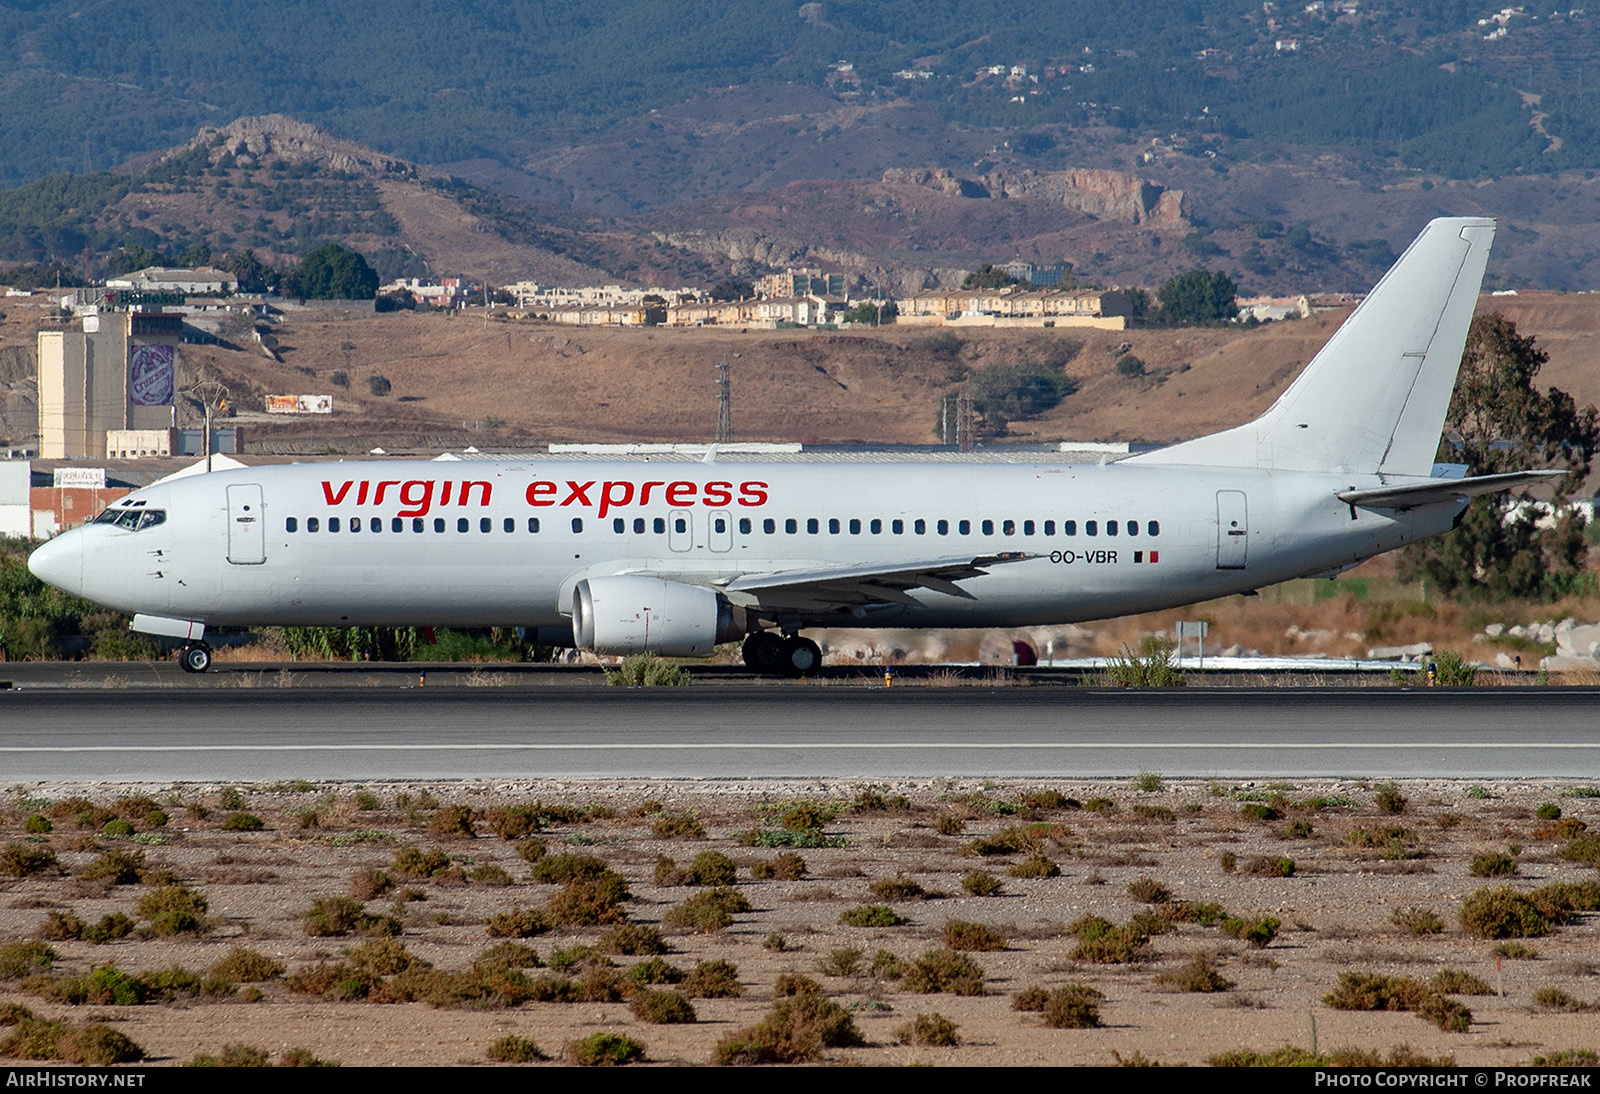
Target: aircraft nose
(60,562)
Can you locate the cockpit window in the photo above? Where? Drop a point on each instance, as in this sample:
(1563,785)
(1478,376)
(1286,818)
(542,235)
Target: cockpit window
(133,520)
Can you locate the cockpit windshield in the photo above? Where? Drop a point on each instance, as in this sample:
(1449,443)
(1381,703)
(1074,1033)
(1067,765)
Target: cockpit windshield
(134,520)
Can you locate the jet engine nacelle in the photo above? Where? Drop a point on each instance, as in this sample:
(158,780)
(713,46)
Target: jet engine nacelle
(622,615)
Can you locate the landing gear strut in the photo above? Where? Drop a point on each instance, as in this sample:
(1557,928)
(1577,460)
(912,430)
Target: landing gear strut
(195,657)
(767,652)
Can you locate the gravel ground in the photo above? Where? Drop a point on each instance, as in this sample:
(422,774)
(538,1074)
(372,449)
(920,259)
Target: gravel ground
(1334,912)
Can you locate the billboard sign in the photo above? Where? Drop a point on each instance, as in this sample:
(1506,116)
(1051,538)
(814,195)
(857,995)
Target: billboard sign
(299,404)
(80,478)
(151,372)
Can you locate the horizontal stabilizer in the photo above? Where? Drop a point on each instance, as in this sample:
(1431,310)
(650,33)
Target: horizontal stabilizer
(1434,491)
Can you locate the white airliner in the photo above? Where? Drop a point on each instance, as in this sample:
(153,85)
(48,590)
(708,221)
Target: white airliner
(623,557)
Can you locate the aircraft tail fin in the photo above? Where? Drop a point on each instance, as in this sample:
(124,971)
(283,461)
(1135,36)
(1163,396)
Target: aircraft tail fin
(1375,396)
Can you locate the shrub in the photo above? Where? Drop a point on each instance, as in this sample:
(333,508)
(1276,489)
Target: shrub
(646,670)
(661,1008)
(1458,982)
(334,916)
(512,1049)
(379,386)
(1034,866)
(1515,951)
(1584,848)
(898,887)
(786,867)
(1502,913)
(92,1044)
(932,1030)
(1373,991)
(230,798)
(604,1050)
(589,902)
(1493,864)
(1551,998)
(656,971)
(1154,665)
(705,912)
(37,825)
(871,915)
(711,868)
(1072,1006)
(20,959)
(1299,829)
(245,966)
(1387,797)
(517,923)
(451,822)
(242,822)
(841,962)
(944,970)
(1267,866)
(948,824)
(1548,811)
(713,980)
(678,826)
(1198,974)
(489,874)
(979,883)
(794,1031)
(1257,932)
(632,940)
(972,937)
(117,866)
(1257,811)
(1559,900)
(795,983)
(415,862)
(1417,920)
(1147,890)
(174,909)
(21,859)
(1102,942)
(566,868)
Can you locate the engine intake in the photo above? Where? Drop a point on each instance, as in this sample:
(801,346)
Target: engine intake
(622,615)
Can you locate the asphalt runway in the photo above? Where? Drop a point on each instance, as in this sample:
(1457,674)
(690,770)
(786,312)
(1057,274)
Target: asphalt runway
(399,731)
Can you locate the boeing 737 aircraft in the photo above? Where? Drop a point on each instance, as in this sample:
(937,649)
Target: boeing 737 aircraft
(675,558)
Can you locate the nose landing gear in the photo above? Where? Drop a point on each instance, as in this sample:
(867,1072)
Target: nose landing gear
(195,657)
(779,655)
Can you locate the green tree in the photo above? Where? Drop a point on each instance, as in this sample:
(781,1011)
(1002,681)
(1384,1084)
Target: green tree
(987,276)
(248,270)
(1499,422)
(1198,296)
(333,272)
(869,312)
(732,289)
(132,257)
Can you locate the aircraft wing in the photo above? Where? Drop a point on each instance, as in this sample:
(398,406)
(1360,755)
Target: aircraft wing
(1434,491)
(853,586)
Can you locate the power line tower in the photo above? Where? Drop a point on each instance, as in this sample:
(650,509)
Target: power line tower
(724,404)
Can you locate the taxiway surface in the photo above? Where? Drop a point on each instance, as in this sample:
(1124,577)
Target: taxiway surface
(793,731)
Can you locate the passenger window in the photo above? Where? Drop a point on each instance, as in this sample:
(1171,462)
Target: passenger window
(679,524)
(988,527)
(1133,527)
(438,524)
(719,525)
(355,524)
(1069,527)
(333,524)
(397,525)
(1049,527)
(1009,528)
(812,527)
(638,526)
(462,524)
(769,526)
(1111,527)
(877,527)
(943,527)
(376,524)
(618,525)
(660,525)
(418,524)
(920,527)
(898,527)
(964,527)
(833,526)
(290,524)
(577,524)
(311,524)
(1153,527)
(1091,528)
(855,526)
(485,524)
(744,526)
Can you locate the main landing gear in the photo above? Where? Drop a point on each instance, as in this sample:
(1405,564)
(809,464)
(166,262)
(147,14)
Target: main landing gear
(195,657)
(772,653)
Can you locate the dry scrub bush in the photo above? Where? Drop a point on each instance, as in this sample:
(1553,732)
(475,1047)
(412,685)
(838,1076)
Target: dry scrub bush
(705,912)
(603,1050)
(943,970)
(1417,920)
(512,1049)
(1102,942)
(786,867)
(1358,990)
(929,1030)
(871,915)
(713,980)
(1198,974)
(1147,890)
(898,887)
(972,937)
(979,883)
(632,940)
(1502,913)
(794,1031)
(661,1007)
(246,966)
(90,1044)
